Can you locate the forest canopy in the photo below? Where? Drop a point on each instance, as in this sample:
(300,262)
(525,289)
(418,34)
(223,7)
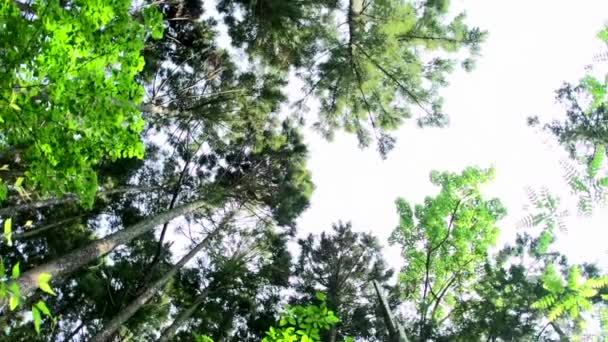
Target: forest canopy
(152,179)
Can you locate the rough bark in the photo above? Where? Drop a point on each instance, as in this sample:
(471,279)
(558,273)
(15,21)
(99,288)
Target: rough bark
(28,282)
(112,326)
(168,334)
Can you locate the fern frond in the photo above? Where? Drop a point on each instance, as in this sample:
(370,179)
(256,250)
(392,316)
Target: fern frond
(597,283)
(545,302)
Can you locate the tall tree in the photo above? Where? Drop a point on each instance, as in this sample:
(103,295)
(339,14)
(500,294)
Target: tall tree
(444,242)
(343,265)
(370,79)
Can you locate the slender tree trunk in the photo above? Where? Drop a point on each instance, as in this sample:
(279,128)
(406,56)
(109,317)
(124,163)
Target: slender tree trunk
(169,332)
(40,230)
(113,325)
(562,335)
(28,282)
(69,198)
(395,330)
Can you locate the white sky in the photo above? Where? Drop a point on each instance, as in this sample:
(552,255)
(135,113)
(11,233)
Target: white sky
(532,48)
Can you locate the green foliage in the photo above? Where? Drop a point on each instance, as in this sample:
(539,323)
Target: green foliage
(444,241)
(343,264)
(303,323)
(202,338)
(69,93)
(371,80)
(8,231)
(43,283)
(569,297)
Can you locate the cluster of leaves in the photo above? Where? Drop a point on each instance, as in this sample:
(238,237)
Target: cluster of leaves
(572,297)
(444,241)
(13,292)
(69,96)
(303,323)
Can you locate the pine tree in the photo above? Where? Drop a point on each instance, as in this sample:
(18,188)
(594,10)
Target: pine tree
(343,265)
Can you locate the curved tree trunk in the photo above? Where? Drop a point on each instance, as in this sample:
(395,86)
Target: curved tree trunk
(169,332)
(28,282)
(112,326)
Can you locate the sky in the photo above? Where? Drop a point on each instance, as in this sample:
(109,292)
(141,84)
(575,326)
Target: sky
(532,48)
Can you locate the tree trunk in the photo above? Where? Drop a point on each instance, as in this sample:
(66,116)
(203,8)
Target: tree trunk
(562,335)
(354,12)
(40,230)
(169,332)
(28,282)
(113,325)
(395,330)
(69,198)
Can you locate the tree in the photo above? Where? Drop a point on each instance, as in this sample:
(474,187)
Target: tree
(69,95)
(370,80)
(343,265)
(444,242)
(583,134)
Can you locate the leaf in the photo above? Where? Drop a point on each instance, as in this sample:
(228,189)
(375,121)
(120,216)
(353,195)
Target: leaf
(43,283)
(13,302)
(15,107)
(16,272)
(19,182)
(2,269)
(37,319)
(8,229)
(29,223)
(41,305)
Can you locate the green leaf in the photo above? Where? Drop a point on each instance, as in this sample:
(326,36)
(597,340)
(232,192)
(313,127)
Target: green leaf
(19,182)
(16,272)
(13,302)
(8,228)
(43,283)
(2,269)
(37,319)
(41,305)
(3,290)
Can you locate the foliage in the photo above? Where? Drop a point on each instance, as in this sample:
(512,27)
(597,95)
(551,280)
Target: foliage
(444,242)
(303,323)
(370,80)
(572,296)
(583,134)
(69,97)
(343,265)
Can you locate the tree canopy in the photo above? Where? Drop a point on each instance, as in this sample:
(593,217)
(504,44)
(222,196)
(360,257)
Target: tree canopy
(153,173)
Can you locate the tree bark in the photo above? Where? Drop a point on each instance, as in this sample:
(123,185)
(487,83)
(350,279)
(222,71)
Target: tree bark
(169,332)
(113,325)
(69,198)
(395,330)
(28,282)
